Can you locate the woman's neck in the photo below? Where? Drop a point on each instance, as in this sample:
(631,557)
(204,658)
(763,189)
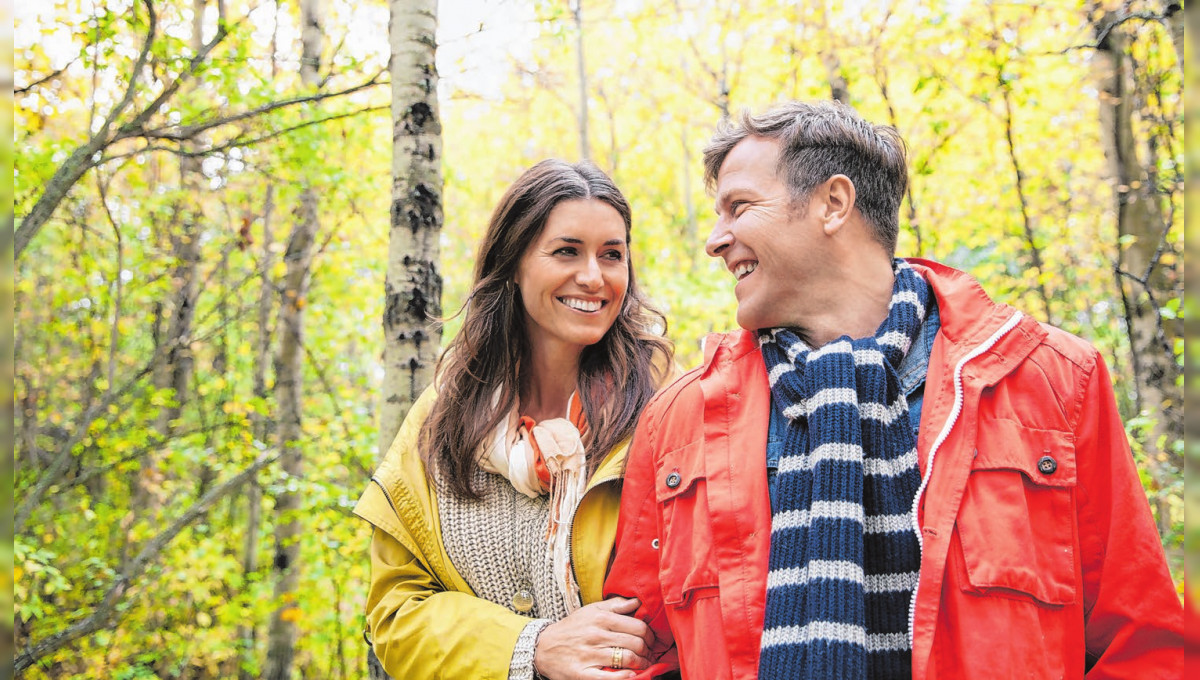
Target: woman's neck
(547,382)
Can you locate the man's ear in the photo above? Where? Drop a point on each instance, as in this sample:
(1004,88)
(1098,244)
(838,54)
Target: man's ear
(839,203)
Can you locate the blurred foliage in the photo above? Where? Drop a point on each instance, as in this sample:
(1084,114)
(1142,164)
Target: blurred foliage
(93,288)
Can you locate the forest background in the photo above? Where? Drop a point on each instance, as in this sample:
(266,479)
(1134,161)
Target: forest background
(233,221)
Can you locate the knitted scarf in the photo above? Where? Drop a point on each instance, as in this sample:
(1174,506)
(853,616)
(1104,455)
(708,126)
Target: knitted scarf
(844,559)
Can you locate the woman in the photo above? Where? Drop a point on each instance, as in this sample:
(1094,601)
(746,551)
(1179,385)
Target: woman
(495,509)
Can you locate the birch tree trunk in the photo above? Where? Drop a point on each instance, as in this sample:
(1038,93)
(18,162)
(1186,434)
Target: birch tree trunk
(413,284)
(289,388)
(1146,275)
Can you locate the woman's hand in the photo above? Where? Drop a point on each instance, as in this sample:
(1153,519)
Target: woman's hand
(584,643)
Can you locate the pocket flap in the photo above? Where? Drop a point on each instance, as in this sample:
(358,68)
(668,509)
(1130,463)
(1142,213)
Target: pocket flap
(1046,457)
(678,471)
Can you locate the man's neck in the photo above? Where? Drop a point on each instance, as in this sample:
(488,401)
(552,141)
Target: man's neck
(852,305)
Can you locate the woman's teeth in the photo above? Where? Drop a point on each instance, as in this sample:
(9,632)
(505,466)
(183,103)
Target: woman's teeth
(582,305)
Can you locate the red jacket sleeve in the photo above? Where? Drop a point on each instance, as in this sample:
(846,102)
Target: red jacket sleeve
(1133,618)
(634,570)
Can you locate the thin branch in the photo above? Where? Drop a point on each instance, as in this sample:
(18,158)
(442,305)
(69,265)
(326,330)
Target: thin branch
(63,460)
(239,141)
(337,408)
(139,121)
(18,91)
(188,132)
(104,612)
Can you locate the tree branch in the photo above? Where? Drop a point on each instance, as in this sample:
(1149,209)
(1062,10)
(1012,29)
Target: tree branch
(104,612)
(239,141)
(81,160)
(187,132)
(18,91)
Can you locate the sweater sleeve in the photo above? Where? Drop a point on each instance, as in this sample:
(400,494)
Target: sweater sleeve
(1132,615)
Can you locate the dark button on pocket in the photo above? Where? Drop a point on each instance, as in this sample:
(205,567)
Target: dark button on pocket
(1047,465)
(673,480)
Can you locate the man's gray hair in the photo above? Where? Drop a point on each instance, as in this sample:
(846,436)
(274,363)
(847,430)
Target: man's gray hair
(820,140)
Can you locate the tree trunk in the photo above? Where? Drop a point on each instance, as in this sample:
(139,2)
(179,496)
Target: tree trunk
(413,284)
(174,370)
(289,383)
(260,423)
(581,66)
(839,89)
(289,388)
(1027,227)
(1147,280)
(1173,17)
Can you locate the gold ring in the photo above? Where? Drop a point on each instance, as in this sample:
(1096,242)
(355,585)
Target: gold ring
(617,655)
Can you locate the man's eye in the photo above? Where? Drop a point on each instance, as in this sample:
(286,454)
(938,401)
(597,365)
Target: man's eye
(737,207)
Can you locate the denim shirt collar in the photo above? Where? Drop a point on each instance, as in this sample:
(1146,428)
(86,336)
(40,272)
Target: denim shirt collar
(915,364)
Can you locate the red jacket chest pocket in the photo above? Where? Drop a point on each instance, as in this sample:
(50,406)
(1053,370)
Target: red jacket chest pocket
(686,566)
(1016,524)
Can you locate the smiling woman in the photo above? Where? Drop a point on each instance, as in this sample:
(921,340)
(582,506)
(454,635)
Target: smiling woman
(496,507)
(573,279)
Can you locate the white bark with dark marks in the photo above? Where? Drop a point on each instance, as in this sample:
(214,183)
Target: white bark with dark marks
(413,283)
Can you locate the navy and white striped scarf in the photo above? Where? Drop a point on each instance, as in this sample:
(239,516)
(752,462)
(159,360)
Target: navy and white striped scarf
(844,556)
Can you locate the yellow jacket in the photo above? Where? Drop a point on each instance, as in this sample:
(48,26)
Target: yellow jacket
(425,622)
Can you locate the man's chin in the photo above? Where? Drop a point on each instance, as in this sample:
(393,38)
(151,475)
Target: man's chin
(750,322)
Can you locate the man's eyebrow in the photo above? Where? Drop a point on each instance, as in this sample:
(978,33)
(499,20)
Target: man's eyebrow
(720,200)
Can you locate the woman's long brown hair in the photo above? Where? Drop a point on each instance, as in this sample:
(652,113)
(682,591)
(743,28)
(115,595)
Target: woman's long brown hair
(617,375)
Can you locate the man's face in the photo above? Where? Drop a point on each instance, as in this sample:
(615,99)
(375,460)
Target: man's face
(771,245)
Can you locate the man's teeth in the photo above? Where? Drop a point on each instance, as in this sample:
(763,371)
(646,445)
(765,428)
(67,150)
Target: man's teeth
(744,269)
(582,305)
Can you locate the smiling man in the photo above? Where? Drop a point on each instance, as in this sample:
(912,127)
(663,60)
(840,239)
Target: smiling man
(885,474)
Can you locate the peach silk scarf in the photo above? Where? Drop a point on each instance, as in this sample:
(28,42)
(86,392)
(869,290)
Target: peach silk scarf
(547,458)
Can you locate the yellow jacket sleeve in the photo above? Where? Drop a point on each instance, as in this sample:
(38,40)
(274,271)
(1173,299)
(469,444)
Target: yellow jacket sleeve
(425,621)
(423,631)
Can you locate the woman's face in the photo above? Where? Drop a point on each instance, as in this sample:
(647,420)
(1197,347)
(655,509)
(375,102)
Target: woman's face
(573,277)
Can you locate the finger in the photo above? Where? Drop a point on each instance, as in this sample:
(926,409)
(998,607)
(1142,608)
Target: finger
(633,643)
(628,625)
(619,605)
(634,661)
(617,657)
(603,674)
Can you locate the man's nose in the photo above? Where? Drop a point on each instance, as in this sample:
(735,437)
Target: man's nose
(719,239)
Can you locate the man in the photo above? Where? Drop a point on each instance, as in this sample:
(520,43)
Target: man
(885,474)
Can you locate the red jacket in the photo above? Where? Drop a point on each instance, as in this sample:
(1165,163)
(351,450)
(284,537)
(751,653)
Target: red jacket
(1039,555)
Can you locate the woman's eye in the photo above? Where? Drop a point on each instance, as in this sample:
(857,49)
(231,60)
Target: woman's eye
(565,250)
(615,255)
